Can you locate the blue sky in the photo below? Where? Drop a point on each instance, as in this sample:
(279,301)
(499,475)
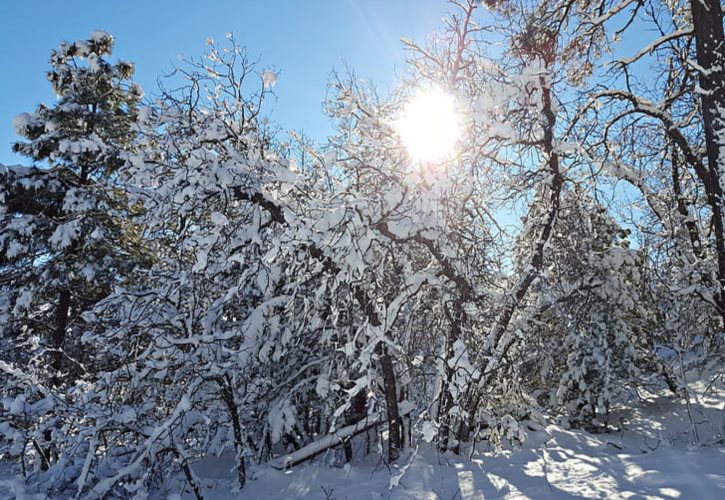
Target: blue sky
(304,39)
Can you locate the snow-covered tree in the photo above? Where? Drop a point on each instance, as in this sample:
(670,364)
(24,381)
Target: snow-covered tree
(589,337)
(66,236)
(178,282)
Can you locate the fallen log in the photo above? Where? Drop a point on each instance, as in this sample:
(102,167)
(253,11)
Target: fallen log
(328,441)
(336,438)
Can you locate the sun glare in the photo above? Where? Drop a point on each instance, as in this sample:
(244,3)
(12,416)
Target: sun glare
(429,125)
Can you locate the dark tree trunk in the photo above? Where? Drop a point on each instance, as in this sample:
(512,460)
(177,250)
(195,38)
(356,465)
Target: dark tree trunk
(445,402)
(536,260)
(390,386)
(58,340)
(391,403)
(229,400)
(357,412)
(682,209)
(386,363)
(707,21)
(48,451)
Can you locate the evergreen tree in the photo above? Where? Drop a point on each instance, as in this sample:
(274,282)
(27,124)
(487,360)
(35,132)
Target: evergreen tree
(65,235)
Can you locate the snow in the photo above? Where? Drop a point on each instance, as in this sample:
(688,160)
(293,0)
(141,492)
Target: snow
(219,219)
(16,406)
(429,431)
(65,234)
(654,456)
(295,296)
(569,464)
(22,121)
(269,78)
(323,444)
(100,36)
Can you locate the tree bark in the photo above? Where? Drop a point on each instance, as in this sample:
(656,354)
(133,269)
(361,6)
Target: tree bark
(58,340)
(357,413)
(707,21)
(391,403)
(49,453)
(445,401)
(326,442)
(229,400)
(386,364)
(682,209)
(390,386)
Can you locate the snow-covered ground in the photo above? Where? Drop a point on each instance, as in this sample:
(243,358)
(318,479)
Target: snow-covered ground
(655,456)
(571,465)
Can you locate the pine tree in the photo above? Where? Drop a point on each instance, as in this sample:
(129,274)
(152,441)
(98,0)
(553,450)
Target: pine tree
(65,236)
(598,309)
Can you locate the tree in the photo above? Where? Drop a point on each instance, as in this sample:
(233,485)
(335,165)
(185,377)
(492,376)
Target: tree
(593,311)
(707,25)
(66,238)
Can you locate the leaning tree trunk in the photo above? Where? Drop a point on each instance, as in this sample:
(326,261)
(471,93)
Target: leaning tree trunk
(498,342)
(707,21)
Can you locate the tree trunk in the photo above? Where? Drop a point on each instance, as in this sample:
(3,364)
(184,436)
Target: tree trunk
(444,398)
(357,412)
(58,340)
(391,403)
(388,371)
(326,442)
(228,398)
(49,452)
(455,318)
(682,209)
(390,386)
(498,342)
(707,21)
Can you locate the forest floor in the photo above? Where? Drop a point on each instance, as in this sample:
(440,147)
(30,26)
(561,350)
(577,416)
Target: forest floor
(656,455)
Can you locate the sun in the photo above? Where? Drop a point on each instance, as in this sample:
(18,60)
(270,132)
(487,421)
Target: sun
(429,125)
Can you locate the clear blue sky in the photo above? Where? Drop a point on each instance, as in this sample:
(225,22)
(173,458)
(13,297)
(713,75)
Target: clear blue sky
(304,39)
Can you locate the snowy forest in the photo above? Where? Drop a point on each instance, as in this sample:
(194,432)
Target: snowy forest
(182,281)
